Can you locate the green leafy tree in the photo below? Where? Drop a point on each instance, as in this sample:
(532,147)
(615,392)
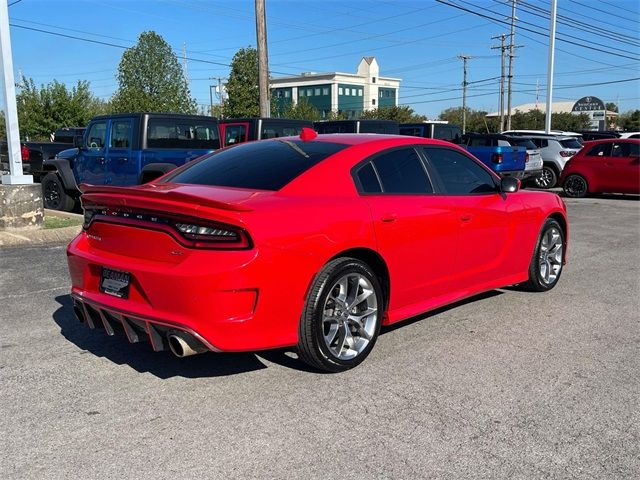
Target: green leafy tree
(402,114)
(612,107)
(629,121)
(302,110)
(476,120)
(243,97)
(150,79)
(42,110)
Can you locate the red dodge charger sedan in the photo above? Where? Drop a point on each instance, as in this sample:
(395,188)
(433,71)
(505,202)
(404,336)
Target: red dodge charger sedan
(611,165)
(310,241)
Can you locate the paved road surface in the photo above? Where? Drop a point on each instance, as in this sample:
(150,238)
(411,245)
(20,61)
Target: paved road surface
(508,385)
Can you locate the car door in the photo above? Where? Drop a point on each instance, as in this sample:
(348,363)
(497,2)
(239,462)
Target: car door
(90,166)
(416,229)
(486,230)
(625,166)
(599,163)
(120,166)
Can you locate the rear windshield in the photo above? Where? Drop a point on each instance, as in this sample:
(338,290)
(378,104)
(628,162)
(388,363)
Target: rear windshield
(524,142)
(571,143)
(264,165)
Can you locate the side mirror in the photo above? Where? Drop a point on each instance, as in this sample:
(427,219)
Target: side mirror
(78,141)
(509,184)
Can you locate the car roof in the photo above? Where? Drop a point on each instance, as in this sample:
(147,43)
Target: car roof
(363,138)
(612,140)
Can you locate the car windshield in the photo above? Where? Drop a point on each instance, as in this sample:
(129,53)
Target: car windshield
(571,143)
(264,165)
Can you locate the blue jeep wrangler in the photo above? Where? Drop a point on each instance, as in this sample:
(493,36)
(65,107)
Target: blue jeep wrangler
(126,149)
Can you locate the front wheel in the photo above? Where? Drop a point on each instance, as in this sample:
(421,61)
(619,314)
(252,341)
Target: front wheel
(547,260)
(547,178)
(54,195)
(342,316)
(575,186)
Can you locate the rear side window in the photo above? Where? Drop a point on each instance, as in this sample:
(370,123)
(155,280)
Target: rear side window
(571,143)
(625,149)
(120,134)
(257,165)
(528,144)
(540,142)
(368,179)
(182,134)
(276,131)
(479,142)
(602,150)
(412,131)
(234,134)
(401,171)
(459,174)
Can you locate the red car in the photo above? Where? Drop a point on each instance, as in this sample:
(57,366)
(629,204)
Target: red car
(313,242)
(611,165)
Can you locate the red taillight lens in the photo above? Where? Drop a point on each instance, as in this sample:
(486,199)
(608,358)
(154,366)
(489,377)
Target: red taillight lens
(24,153)
(213,235)
(566,153)
(526,158)
(496,158)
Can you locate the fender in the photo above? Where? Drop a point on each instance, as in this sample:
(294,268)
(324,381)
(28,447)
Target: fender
(62,166)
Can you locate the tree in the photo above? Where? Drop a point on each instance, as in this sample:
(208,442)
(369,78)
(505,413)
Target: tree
(611,107)
(243,97)
(476,120)
(303,110)
(629,121)
(150,79)
(42,110)
(402,114)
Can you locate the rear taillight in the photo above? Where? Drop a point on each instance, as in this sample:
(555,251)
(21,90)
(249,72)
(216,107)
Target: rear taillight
(526,158)
(24,153)
(566,153)
(496,158)
(192,232)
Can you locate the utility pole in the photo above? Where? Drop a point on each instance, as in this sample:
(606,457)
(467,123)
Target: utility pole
(552,47)
(16,174)
(511,46)
(263,62)
(464,59)
(503,49)
(219,94)
(185,65)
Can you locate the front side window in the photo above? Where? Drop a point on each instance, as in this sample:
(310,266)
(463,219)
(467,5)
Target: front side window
(97,135)
(181,133)
(268,165)
(602,150)
(401,172)
(234,134)
(460,175)
(120,134)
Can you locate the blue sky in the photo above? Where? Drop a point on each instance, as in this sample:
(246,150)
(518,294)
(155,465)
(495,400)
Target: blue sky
(418,41)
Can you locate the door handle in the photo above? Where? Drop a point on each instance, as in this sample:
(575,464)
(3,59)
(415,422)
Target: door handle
(123,160)
(466,218)
(389,217)
(100,160)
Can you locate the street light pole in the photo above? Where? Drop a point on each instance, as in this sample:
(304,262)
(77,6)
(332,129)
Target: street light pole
(16,174)
(552,47)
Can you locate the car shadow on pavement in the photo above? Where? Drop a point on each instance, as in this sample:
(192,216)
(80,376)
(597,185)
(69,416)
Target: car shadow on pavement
(143,359)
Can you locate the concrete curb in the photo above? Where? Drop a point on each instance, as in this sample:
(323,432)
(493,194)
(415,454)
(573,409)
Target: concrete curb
(34,236)
(58,213)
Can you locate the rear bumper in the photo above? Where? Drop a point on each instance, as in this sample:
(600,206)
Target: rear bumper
(532,173)
(519,174)
(227,300)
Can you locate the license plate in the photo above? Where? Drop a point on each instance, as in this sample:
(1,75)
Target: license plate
(115,282)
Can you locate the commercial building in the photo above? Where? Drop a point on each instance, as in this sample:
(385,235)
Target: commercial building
(339,92)
(599,117)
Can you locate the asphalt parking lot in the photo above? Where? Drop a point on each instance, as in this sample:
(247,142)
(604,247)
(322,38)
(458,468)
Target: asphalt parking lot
(507,385)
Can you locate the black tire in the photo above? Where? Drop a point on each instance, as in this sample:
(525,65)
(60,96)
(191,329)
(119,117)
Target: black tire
(575,186)
(537,282)
(54,195)
(312,347)
(548,178)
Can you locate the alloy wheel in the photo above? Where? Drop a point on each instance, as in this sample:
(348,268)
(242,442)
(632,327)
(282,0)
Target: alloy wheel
(350,316)
(575,186)
(52,195)
(545,179)
(550,256)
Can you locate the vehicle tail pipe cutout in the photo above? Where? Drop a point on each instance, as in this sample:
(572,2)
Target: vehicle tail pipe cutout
(184,345)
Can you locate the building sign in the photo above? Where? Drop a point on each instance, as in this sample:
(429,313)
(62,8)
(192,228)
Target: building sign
(588,104)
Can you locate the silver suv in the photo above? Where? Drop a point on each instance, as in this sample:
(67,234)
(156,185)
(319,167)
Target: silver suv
(556,150)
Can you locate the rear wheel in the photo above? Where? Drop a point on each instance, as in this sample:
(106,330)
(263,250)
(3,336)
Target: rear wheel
(547,178)
(342,316)
(575,186)
(546,264)
(54,195)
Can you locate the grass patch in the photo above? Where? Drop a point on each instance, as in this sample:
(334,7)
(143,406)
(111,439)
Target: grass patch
(60,222)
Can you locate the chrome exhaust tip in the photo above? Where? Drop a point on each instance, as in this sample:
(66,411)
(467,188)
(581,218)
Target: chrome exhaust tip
(184,345)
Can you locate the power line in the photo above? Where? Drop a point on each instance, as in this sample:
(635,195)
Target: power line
(591,47)
(601,11)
